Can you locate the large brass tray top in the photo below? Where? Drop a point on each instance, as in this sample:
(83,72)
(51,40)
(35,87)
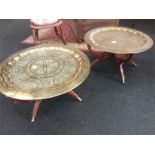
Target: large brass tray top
(120,43)
(42,72)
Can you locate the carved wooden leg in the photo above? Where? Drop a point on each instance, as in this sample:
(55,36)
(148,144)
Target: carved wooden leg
(35,36)
(120,68)
(98,59)
(62,35)
(35,109)
(131,61)
(91,51)
(94,62)
(119,64)
(75,95)
(122,72)
(56,31)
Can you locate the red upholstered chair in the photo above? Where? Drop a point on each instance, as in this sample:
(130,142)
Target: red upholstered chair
(38,24)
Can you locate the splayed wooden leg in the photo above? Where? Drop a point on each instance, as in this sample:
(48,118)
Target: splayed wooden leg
(94,62)
(119,64)
(62,35)
(75,95)
(35,109)
(122,72)
(56,31)
(132,61)
(35,36)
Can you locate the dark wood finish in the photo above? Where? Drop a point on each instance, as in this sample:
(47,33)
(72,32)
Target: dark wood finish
(38,103)
(120,60)
(35,109)
(75,95)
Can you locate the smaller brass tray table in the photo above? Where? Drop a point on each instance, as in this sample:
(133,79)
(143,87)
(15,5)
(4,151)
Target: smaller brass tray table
(120,43)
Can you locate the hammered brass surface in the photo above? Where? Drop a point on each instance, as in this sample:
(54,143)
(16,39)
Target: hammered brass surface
(120,40)
(43,71)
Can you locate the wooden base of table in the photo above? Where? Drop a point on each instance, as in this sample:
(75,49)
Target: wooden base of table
(38,103)
(120,60)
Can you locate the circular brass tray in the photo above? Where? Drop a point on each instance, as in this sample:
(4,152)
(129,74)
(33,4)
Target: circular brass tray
(120,40)
(43,71)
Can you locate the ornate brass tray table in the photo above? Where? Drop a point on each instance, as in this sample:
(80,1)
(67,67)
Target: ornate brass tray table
(120,43)
(42,72)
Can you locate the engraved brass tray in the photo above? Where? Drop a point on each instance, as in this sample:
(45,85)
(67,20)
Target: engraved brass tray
(43,71)
(120,40)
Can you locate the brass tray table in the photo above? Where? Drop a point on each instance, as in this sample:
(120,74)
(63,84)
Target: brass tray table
(42,72)
(120,43)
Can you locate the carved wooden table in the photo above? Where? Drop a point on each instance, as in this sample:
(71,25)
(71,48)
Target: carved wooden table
(42,72)
(120,43)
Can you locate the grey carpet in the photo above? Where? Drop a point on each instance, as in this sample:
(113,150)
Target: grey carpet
(108,107)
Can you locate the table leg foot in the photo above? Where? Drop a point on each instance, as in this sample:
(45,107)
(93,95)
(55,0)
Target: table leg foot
(35,110)
(133,62)
(32,119)
(75,95)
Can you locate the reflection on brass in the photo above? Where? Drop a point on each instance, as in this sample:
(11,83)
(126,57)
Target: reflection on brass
(120,40)
(43,71)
